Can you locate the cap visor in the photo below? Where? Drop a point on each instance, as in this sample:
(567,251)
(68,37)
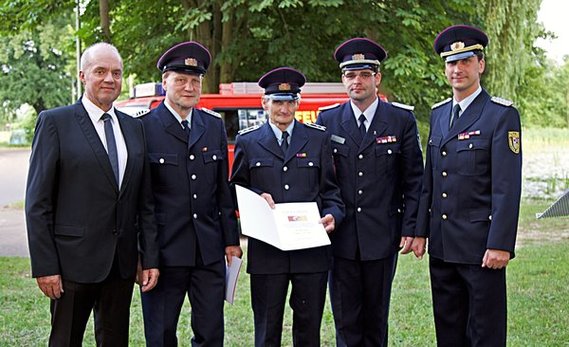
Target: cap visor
(283,96)
(459,56)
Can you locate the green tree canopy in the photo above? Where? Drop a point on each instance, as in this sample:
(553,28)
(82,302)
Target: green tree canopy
(246,38)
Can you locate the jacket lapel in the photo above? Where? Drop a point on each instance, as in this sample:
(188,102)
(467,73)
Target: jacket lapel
(377,127)
(348,122)
(197,127)
(171,124)
(269,141)
(470,115)
(297,141)
(95,142)
(444,119)
(129,135)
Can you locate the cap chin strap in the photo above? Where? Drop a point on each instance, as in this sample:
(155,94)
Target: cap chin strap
(464,49)
(361,61)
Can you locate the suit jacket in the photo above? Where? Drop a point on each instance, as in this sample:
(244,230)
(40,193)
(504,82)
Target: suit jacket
(194,205)
(472,183)
(77,218)
(306,173)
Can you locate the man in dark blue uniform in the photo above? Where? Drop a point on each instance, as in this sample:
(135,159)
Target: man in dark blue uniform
(194,208)
(470,199)
(287,161)
(379,165)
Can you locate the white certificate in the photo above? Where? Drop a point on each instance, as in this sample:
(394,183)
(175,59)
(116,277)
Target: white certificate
(290,226)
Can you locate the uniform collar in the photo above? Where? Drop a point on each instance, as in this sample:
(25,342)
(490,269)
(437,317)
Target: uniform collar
(369,112)
(468,100)
(177,116)
(278,133)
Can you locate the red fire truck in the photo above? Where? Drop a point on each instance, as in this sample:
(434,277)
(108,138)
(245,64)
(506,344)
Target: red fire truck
(238,103)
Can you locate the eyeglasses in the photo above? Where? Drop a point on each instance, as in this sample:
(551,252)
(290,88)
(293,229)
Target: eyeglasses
(364,75)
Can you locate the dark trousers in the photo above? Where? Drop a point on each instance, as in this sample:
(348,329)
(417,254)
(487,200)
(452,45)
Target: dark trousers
(109,300)
(204,287)
(469,304)
(360,293)
(268,297)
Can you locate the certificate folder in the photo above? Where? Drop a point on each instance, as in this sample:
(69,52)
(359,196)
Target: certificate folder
(290,226)
(231,277)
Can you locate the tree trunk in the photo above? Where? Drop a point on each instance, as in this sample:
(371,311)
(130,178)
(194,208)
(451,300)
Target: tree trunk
(105,20)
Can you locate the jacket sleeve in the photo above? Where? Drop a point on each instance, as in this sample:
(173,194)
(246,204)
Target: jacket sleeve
(329,190)
(225,199)
(41,188)
(148,233)
(506,180)
(412,171)
(426,197)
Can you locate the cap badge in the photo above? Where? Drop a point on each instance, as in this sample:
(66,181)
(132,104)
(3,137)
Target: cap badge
(457,45)
(358,56)
(191,62)
(284,87)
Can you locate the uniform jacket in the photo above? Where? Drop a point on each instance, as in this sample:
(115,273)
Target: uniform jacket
(190,186)
(380,179)
(77,219)
(472,183)
(305,174)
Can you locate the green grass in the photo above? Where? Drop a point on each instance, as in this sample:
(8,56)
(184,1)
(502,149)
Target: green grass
(538,299)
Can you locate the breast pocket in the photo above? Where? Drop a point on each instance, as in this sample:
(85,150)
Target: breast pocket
(473,157)
(164,168)
(211,159)
(309,169)
(434,145)
(341,155)
(387,155)
(262,172)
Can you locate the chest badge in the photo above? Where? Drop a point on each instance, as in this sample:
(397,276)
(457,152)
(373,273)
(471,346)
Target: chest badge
(466,135)
(514,141)
(386,139)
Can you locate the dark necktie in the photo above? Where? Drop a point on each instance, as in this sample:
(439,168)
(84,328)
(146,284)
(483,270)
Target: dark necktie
(284,142)
(186,126)
(454,116)
(111,145)
(362,126)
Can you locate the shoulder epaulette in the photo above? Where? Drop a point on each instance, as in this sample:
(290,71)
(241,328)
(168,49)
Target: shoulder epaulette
(328,107)
(403,106)
(440,103)
(213,113)
(141,113)
(502,101)
(249,129)
(316,126)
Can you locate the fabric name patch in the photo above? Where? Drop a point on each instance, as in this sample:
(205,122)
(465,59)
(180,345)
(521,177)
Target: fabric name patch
(466,135)
(338,139)
(386,139)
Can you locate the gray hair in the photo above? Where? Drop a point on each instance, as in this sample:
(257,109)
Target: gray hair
(86,56)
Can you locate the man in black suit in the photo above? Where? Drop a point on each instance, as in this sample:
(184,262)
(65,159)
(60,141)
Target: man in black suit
(379,166)
(197,227)
(88,208)
(287,161)
(470,199)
